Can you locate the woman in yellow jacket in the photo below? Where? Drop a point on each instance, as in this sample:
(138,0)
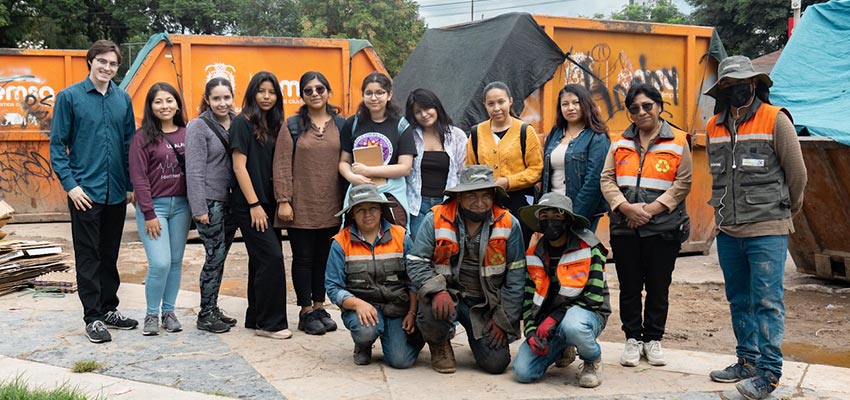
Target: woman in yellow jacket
(510,147)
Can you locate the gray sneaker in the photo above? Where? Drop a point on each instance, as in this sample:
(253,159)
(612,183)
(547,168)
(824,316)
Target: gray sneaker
(736,372)
(151,327)
(96,332)
(758,387)
(170,322)
(114,319)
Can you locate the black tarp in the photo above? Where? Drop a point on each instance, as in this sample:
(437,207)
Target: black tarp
(457,62)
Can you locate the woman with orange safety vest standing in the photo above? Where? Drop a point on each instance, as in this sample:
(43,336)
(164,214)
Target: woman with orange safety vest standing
(645,179)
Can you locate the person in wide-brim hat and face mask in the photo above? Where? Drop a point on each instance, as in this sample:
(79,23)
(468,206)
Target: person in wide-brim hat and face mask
(738,84)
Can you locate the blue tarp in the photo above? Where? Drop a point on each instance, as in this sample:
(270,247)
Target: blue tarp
(812,76)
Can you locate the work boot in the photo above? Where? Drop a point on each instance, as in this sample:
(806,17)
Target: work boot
(758,387)
(443,357)
(591,374)
(736,372)
(362,354)
(567,358)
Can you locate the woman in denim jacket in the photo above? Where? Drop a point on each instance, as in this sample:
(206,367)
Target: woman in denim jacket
(575,151)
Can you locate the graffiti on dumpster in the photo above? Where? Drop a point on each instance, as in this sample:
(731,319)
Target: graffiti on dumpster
(25,172)
(616,75)
(25,102)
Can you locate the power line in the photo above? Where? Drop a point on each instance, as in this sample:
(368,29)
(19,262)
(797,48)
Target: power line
(498,8)
(452,3)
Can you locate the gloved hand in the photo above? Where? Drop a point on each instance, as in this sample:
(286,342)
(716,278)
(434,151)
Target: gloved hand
(498,339)
(442,305)
(539,345)
(546,328)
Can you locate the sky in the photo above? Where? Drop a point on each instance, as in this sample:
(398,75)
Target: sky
(439,13)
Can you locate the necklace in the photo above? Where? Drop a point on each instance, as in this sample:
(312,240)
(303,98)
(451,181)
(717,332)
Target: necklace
(570,136)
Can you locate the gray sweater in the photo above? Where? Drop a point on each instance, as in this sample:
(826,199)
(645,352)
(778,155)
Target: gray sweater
(208,166)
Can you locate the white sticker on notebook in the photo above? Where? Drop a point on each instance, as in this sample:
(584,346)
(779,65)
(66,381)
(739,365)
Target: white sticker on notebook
(752,162)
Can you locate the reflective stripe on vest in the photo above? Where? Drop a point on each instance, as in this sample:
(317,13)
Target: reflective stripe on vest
(660,164)
(573,271)
(447,246)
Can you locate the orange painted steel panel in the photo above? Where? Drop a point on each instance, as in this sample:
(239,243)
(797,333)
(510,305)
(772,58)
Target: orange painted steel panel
(29,82)
(617,52)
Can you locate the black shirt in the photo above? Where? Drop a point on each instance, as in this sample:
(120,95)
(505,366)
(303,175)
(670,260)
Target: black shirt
(384,134)
(435,171)
(259,163)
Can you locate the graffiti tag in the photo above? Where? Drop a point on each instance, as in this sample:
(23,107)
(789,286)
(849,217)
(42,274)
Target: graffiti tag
(25,173)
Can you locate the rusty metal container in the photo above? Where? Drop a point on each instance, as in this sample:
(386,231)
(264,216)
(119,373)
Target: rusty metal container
(821,244)
(29,82)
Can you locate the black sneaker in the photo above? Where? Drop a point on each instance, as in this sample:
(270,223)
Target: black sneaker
(326,320)
(757,388)
(736,372)
(224,318)
(114,319)
(310,323)
(362,354)
(96,332)
(211,323)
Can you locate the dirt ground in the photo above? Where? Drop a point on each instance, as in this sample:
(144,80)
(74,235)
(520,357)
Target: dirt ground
(817,326)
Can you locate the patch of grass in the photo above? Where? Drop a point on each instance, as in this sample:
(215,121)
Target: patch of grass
(83,366)
(217,393)
(18,389)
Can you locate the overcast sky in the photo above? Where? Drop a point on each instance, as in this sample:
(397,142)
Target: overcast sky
(439,13)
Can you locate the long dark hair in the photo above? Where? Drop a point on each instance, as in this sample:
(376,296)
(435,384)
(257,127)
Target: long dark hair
(501,86)
(212,84)
(270,125)
(589,111)
(303,112)
(151,125)
(387,84)
(427,99)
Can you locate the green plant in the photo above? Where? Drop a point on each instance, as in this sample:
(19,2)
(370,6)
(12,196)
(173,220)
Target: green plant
(18,389)
(83,366)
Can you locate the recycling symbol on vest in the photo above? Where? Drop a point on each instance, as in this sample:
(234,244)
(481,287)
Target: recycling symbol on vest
(662,166)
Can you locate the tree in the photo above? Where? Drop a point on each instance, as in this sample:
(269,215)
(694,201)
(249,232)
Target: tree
(747,27)
(660,11)
(269,18)
(392,26)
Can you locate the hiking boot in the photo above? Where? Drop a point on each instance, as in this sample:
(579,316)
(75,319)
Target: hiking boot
(224,318)
(170,322)
(96,332)
(736,372)
(567,358)
(211,323)
(362,354)
(653,353)
(758,387)
(443,357)
(591,374)
(114,319)
(631,353)
(310,323)
(151,327)
(327,321)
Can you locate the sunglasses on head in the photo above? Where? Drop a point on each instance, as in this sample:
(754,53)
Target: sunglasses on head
(320,90)
(635,108)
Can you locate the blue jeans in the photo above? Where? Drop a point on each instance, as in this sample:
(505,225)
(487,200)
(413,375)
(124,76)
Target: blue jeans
(753,269)
(424,208)
(165,254)
(398,352)
(579,328)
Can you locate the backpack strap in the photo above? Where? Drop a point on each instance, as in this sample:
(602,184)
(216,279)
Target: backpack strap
(294,128)
(402,125)
(339,120)
(181,160)
(522,136)
(473,135)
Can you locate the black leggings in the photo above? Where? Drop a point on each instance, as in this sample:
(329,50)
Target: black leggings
(310,248)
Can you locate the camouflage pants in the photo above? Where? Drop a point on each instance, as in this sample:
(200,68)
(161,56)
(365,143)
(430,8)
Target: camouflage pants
(217,238)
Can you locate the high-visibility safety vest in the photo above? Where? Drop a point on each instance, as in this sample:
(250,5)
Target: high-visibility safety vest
(643,179)
(377,274)
(446,245)
(748,183)
(572,271)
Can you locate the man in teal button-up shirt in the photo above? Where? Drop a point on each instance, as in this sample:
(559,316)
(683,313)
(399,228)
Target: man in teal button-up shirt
(89,144)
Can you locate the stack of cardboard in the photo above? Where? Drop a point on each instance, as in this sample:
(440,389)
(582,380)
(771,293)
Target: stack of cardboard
(22,261)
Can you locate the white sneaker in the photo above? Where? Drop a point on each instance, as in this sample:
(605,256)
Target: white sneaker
(653,353)
(281,334)
(631,353)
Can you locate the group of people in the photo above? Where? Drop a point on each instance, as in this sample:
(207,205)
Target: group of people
(492,231)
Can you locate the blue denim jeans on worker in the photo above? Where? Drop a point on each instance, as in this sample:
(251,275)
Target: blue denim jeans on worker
(580,328)
(424,209)
(165,253)
(753,269)
(398,352)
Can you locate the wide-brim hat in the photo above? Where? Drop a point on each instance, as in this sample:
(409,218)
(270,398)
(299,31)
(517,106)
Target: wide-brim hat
(360,194)
(528,214)
(476,177)
(737,67)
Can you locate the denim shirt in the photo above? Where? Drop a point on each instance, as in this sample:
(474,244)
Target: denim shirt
(455,147)
(90,141)
(583,164)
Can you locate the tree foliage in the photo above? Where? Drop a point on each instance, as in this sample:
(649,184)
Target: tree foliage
(660,11)
(269,18)
(747,27)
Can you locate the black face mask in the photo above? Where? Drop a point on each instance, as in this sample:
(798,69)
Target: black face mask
(474,217)
(737,95)
(552,229)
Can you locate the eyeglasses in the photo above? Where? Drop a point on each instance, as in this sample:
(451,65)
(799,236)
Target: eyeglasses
(635,108)
(377,94)
(320,90)
(104,62)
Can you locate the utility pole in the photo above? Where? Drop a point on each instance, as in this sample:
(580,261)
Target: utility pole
(795,6)
(471,10)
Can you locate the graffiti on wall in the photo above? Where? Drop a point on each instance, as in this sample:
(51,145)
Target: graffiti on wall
(25,172)
(25,102)
(617,73)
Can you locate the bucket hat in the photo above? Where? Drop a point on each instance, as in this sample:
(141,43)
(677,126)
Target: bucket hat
(360,194)
(737,67)
(528,214)
(476,177)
